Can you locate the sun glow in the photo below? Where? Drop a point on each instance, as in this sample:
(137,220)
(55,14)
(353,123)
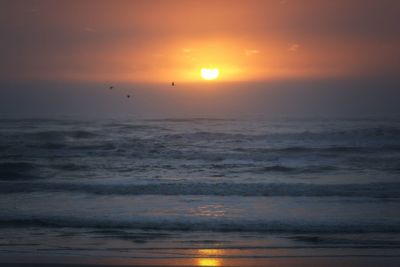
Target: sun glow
(209,73)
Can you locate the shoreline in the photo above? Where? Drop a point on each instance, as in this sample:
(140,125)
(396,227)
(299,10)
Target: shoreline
(352,261)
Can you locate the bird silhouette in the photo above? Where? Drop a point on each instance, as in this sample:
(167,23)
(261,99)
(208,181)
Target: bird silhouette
(128,96)
(111,87)
(173,84)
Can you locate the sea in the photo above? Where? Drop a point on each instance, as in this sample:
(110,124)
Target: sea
(208,189)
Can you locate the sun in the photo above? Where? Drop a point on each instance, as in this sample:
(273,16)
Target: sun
(209,73)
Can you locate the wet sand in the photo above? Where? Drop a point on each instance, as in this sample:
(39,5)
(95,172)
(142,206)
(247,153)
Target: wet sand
(212,262)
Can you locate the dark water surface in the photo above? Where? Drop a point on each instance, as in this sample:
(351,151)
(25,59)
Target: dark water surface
(215,188)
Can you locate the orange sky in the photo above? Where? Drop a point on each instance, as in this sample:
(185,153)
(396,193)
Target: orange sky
(157,41)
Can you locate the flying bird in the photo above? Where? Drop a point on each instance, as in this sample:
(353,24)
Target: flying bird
(111,87)
(173,84)
(128,96)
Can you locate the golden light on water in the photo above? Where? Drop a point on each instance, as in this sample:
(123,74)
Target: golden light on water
(209,257)
(209,73)
(209,262)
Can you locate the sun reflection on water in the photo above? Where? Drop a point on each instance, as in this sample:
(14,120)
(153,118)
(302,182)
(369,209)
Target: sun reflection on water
(210,211)
(208,257)
(209,262)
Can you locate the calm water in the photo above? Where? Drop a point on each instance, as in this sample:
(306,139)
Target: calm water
(177,188)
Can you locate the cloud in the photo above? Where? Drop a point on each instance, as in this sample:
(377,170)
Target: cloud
(294,47)
(251,52)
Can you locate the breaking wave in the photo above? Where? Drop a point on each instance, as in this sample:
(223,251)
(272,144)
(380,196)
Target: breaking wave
(373,190)
(197,224)
(57,135)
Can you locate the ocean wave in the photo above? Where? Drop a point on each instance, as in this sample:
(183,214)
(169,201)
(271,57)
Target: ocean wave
(10,171)
(201,224)
(375,131)
(311,149)
(51,145)
(206,136)
(373,190)
(367,132)
(253,168)
(372,132)
(276,168)
(207,145)
(70,167)
(129,126)
(73,146)
(294,170)
(191,120)
(62,134)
